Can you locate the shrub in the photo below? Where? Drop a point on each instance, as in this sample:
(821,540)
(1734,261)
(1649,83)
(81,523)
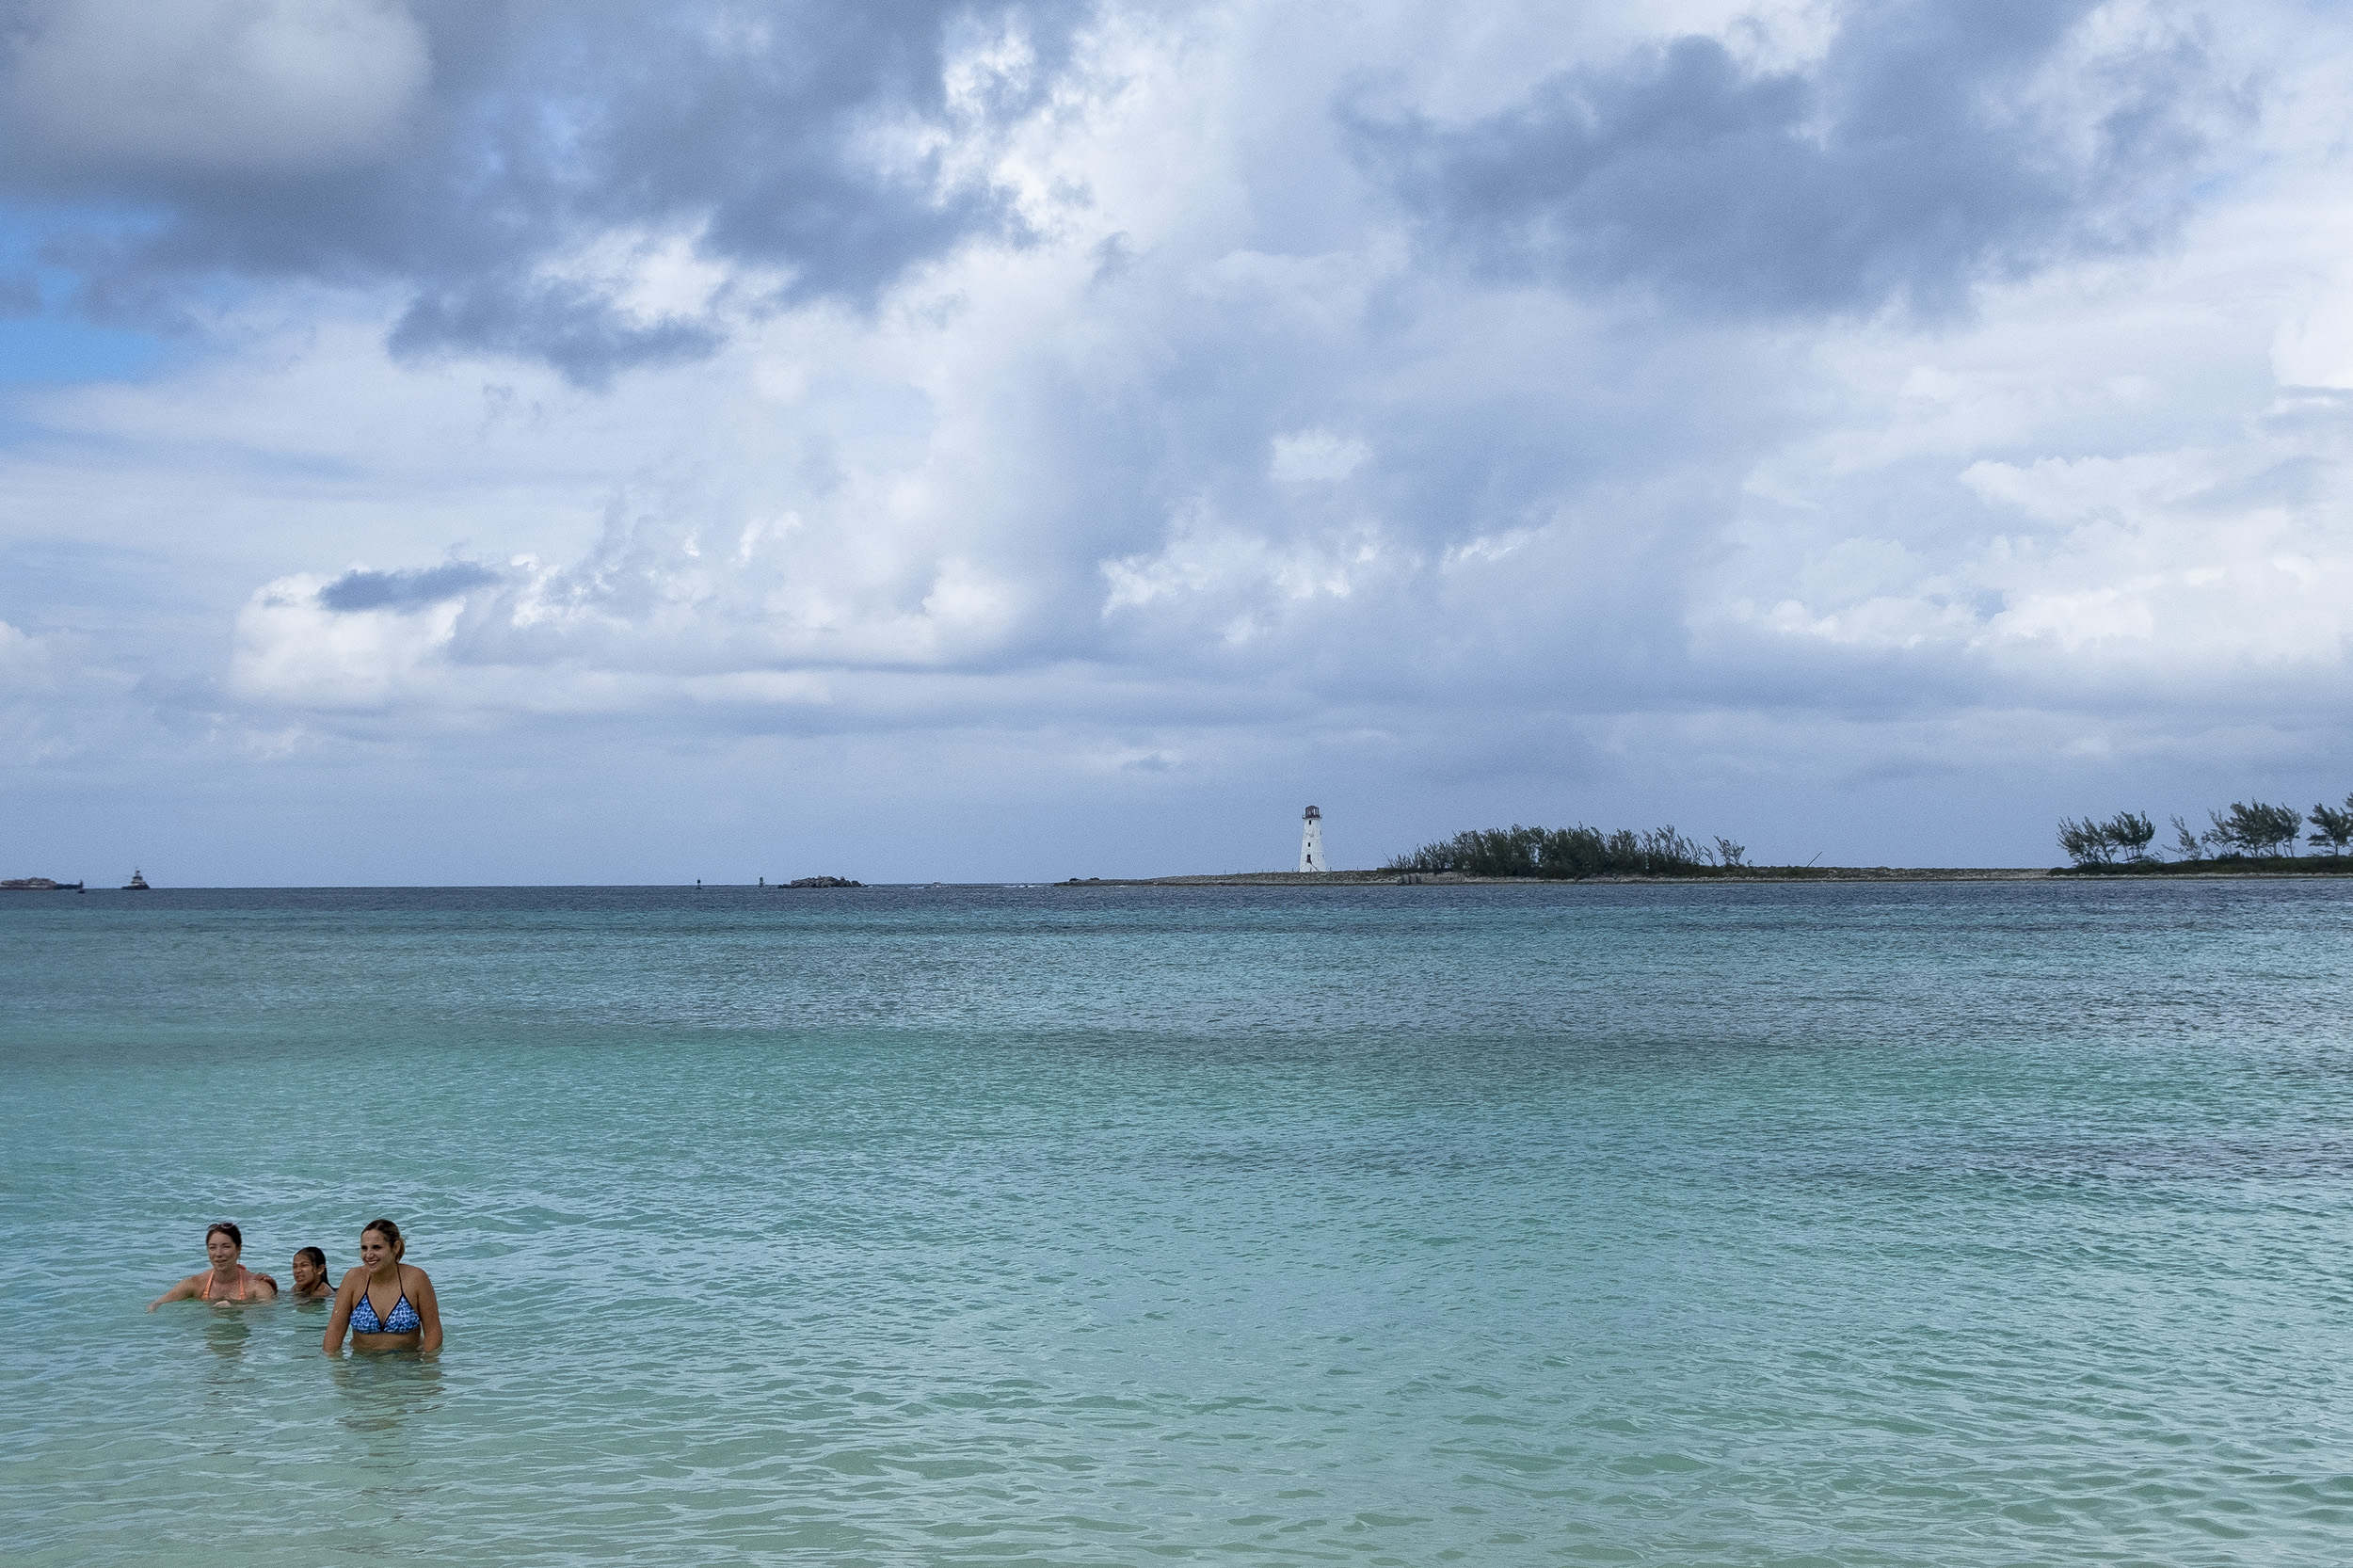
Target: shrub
(1559,853)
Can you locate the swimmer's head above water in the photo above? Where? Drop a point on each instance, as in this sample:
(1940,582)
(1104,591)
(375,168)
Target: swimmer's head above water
(227,1280)
(388,1240)
(310,1274)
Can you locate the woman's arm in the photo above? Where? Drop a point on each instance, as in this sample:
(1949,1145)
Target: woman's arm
(346,1297)
(181,1291)
(428,1313)
(269,1281)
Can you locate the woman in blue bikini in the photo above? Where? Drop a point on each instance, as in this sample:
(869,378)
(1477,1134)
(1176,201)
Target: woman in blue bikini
(385,1303)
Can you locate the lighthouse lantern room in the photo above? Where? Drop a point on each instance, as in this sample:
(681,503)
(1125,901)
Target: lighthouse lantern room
(1311,842)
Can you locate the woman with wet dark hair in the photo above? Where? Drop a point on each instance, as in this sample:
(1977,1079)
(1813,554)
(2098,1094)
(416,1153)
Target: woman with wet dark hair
(385,1303)
(227,1280)
(309,1276)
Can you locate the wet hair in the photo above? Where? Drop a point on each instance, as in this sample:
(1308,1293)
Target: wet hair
(318,1259)
(223,1227)
(391,1232)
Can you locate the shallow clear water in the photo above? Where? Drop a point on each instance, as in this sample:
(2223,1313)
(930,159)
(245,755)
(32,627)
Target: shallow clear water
(1923,1223)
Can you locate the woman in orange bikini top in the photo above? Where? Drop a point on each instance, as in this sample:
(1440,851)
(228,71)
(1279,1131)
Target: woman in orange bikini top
(227,1280)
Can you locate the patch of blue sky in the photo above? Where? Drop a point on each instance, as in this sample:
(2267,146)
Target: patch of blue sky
(41,340)
(50,348)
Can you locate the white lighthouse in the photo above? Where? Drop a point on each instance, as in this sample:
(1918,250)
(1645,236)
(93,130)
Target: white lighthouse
(1311,842)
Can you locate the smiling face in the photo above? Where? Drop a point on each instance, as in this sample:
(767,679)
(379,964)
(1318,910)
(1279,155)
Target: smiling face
(222,1251)
(375,1250)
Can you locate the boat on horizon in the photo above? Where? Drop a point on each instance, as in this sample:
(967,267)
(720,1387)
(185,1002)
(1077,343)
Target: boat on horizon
(38,885)
(138,883)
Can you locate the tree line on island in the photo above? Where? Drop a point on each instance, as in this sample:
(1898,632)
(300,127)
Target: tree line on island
(1560,853)
(2249,830)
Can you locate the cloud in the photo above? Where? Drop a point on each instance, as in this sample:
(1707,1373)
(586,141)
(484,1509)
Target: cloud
(1316,455)
(23,661)
(403,590)
(1929,146)
(295,651)
(1226,477)
(101,90)
(471,156)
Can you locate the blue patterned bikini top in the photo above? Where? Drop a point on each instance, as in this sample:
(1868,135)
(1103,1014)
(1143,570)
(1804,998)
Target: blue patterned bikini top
(403,1321)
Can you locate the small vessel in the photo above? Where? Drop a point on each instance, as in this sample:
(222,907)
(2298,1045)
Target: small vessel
(138,883)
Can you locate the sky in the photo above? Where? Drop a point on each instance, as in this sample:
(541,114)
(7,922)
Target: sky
(466,441)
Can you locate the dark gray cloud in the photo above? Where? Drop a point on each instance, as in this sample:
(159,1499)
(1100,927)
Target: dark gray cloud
(471,149)
(1929,148)
(573,328)
(403,590)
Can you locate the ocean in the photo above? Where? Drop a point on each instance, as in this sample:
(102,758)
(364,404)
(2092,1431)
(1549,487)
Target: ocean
(1897,1223)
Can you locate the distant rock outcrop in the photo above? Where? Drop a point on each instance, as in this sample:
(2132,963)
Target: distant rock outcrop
(824,882)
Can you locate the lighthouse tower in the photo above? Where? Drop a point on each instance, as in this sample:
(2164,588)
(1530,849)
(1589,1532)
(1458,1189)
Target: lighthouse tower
(1311,842)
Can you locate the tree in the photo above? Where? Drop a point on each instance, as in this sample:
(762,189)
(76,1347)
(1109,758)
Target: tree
(2086,841)
(1730,854)
(2332,826)
(1665,852)
(2131,833)
(2255,829)
(2187,844)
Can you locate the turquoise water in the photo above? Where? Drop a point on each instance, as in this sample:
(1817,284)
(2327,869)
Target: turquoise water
(1927,1223)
